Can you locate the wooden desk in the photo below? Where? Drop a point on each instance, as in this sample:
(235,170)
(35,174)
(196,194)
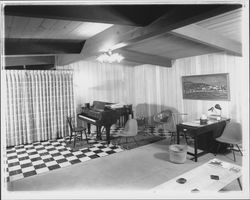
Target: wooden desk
(213,129)
(199,178)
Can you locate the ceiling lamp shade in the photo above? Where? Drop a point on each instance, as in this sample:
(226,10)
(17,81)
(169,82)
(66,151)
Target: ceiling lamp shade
(109,57)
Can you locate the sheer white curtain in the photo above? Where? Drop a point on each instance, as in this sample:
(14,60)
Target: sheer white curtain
(37,104)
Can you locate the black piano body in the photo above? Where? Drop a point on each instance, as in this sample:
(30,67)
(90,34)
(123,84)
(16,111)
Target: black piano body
(101,115)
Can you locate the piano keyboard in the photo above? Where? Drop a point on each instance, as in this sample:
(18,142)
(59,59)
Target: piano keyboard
(86,118)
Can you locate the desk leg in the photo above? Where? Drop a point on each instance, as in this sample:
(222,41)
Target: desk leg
(88,126)
(195,147)
(178,135)
(238,179)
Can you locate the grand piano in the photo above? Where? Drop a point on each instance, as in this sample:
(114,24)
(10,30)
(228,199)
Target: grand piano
(105,114)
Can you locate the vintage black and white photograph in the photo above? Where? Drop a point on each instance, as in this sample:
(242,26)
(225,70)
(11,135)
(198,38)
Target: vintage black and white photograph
(206,87)
(124,99)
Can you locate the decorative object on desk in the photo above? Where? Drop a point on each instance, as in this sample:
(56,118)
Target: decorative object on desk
(216,162)
(215,177)
(206,87)
(181,180)
(109,57)
(203,119)
(234,169)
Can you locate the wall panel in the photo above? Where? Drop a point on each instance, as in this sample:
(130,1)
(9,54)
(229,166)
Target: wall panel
(104,82)
(167,81)
(153,88)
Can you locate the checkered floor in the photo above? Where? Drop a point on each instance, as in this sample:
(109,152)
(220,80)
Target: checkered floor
(28,160)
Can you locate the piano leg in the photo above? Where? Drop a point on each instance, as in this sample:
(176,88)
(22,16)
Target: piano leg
(108,134)
(98,133)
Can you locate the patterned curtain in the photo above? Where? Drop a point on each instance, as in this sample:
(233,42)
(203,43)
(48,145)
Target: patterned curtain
(38,103)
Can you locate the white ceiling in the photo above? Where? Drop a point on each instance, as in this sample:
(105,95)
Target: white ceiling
(36,28)
(166,45)
(172,47)
(228,24)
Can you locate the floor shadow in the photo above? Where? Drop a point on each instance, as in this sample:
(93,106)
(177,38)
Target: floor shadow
(149,110)
(162,156)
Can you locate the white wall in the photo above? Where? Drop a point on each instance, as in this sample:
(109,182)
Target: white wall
(162,86)
(152,88)
(104,82)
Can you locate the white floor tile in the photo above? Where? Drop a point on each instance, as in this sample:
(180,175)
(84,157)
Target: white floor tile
(28,169)
(50,163)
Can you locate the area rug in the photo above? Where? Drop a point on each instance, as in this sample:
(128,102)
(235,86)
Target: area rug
(138,141)
(145,136)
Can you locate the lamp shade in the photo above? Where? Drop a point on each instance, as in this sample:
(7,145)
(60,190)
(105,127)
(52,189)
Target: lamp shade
(217,106)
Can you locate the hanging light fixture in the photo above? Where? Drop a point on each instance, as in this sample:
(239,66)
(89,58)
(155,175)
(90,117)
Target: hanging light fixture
(109,57)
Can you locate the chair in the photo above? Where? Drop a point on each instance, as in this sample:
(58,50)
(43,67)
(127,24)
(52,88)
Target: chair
(232,135)
(164,118)
(130,130)
(76,132)
(170,119)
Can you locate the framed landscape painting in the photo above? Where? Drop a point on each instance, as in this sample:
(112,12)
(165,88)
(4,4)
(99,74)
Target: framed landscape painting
(206,87)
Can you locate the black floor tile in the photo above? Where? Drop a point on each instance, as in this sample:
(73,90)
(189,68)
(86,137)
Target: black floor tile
(74,161)
(26,165)
(11,173)
(48,160)
(31,173)
(13,164)
(39,166)
(54,167)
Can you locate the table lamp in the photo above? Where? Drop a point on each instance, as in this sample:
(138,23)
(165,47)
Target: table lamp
(215,108)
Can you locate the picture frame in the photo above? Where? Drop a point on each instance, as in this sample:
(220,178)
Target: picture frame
(206,87)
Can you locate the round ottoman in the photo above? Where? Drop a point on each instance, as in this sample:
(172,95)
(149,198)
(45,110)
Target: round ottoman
(177,153)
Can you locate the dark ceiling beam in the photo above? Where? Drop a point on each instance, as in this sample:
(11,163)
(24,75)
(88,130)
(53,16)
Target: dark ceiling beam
(29,60)
(134,15)
(205,36)
(65,59)
(180,16)
(42,46)
(118,37)
(130,56)
(143,58)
